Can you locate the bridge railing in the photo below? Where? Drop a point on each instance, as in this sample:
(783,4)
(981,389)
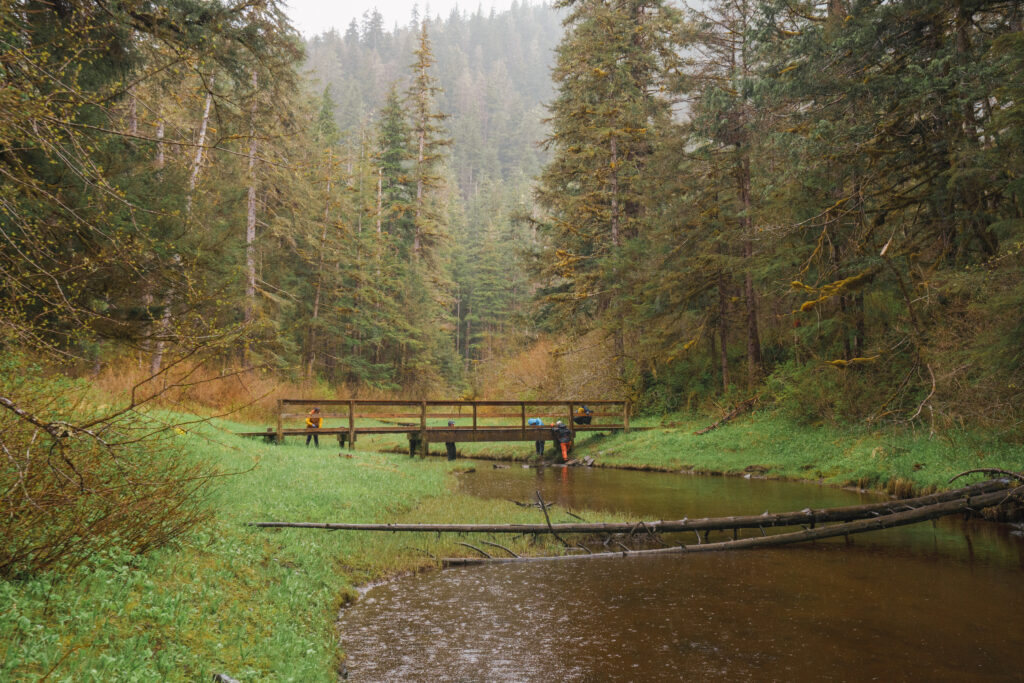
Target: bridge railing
(349,417)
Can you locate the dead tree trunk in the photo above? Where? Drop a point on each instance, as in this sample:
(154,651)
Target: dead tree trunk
(805,516)
(912,516)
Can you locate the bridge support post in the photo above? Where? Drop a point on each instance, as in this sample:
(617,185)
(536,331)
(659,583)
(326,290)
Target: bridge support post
(351,424)
(280,426)
(424,447)
(571,423)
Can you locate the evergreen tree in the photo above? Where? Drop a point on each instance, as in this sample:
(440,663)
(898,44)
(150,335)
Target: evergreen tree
(611,67)
(396,190)
(430,144)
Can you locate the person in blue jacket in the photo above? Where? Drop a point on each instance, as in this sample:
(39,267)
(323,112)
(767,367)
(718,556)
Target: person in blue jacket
(450,445)
(538,445)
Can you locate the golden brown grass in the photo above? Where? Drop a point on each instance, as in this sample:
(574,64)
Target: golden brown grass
(208,389)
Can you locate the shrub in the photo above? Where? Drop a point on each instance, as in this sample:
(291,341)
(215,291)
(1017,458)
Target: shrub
(78,478)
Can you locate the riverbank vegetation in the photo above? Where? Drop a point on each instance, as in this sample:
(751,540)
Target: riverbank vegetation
(773,446)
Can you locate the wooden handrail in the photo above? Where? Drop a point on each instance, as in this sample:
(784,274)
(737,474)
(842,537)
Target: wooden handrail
(457,416)
(458,402)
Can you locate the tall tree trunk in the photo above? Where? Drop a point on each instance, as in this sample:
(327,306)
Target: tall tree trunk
(859,325)
(250,221)
(712,354)
(723,330)
(620,354)
(359,179)
(469,323)
(615,189)
(754,363)
(419,191)
(845,317)
(160,144)
(133,114)
(197,164)
(311,339)
(755,367)
(162,328)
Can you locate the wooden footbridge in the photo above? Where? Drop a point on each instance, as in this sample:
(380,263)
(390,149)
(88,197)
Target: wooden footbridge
(475,421)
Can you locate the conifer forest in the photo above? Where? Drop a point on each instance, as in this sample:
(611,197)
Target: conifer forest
(819,205)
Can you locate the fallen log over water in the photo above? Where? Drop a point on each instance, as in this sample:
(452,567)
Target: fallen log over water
(912,516)
(805,516)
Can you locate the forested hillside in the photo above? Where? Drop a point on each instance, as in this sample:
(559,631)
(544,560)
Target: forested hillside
(817,204)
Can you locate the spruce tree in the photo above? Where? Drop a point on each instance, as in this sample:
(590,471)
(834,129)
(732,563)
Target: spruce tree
(430,146)
(611,69)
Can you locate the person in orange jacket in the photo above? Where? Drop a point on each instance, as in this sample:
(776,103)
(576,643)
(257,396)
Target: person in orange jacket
(313,422)
(563,435)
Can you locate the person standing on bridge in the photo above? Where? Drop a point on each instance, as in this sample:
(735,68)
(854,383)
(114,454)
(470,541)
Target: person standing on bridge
(450,445)
(563,435)
(313,422)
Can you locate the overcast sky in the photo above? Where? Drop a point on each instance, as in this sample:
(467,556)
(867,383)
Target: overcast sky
(312,17)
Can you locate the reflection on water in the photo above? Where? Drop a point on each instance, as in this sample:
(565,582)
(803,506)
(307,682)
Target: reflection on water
(932,602)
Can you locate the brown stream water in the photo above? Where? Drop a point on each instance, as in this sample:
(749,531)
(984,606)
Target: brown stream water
(932,602)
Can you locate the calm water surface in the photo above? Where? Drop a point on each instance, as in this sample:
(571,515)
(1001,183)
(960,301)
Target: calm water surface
(930,602)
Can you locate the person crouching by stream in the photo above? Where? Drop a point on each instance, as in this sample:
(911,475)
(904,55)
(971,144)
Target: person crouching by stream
(450,445)
(313,422)
(563,435)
